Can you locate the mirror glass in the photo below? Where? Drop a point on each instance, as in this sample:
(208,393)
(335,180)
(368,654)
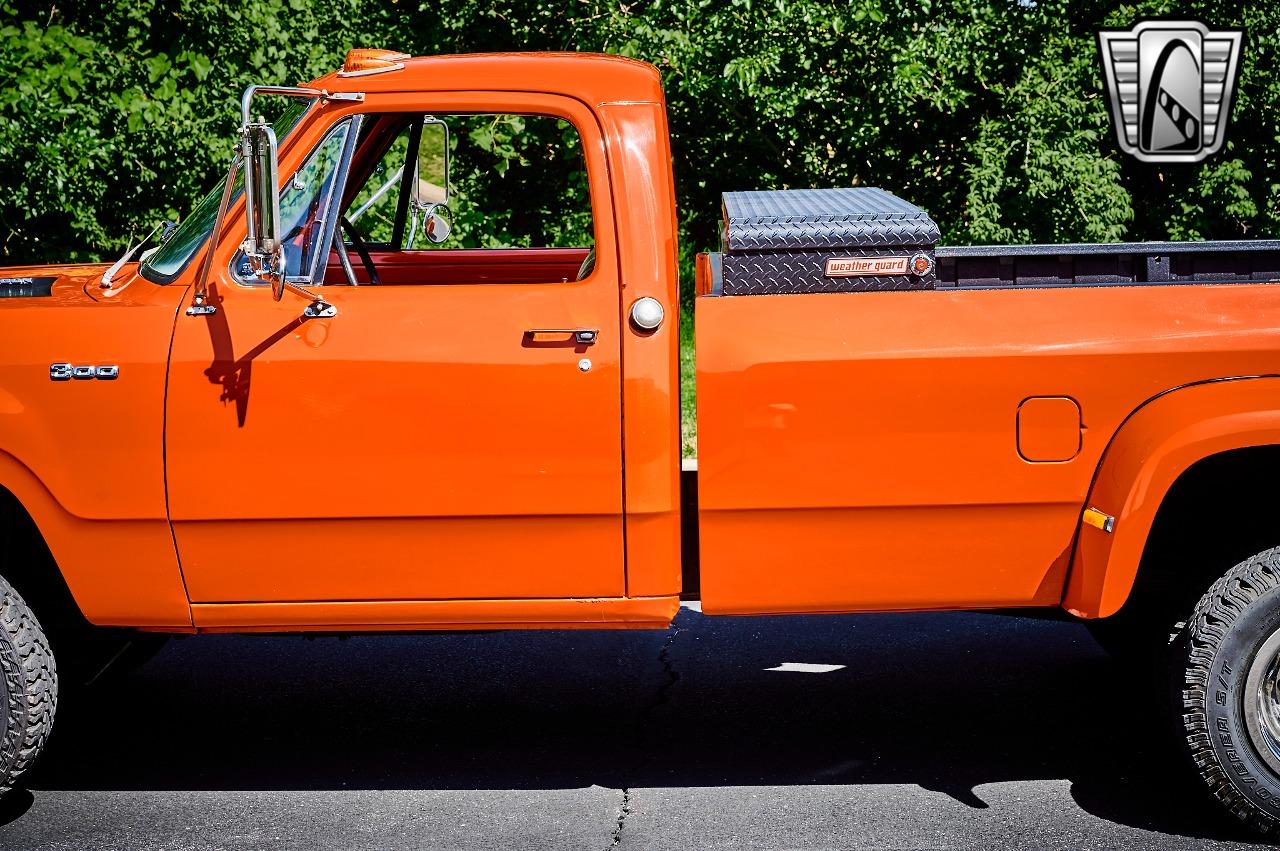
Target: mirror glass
(263,200)
(438,224)
(410,177)
(432,186)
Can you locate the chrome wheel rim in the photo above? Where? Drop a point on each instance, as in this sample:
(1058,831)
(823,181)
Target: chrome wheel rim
(1261,698)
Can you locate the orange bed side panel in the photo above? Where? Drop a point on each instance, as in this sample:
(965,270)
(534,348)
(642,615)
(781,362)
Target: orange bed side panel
(860,451)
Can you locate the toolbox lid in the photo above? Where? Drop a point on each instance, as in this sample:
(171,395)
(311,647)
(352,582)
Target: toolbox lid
(797,219)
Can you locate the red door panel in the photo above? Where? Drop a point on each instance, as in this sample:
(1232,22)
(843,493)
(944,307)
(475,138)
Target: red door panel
(472,266)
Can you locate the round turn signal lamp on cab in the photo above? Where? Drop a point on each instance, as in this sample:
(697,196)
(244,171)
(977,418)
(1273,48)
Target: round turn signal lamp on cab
(362,62)
(646,313)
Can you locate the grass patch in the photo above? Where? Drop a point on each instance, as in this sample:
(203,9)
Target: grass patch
(688,389)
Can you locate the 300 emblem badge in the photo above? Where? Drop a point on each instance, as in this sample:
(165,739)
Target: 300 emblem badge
(66,372)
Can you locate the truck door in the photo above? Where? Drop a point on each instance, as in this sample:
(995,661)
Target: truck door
(454,432)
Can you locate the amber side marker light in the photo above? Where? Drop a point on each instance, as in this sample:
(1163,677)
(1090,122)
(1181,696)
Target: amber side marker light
(363,61)
(1098,519)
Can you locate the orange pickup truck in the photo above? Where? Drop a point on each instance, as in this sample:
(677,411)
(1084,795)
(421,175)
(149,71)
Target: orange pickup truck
(352,392)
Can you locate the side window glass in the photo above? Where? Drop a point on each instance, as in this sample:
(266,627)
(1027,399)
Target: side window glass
(307,192)
(518,181)
(373,210)
(509,181)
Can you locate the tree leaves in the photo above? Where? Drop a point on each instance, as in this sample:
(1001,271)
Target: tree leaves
(988,113)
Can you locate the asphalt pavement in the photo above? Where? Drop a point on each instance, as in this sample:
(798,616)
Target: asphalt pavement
(879,731)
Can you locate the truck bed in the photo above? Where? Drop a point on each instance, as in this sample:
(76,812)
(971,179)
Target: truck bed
(862,447)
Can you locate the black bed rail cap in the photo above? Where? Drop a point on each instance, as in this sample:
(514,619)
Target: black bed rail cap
(798,219)
(1067,249)
(1109,264)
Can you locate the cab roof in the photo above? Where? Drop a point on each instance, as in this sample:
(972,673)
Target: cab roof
(594,78)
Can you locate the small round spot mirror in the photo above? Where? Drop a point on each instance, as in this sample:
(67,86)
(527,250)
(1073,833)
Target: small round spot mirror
(438,223)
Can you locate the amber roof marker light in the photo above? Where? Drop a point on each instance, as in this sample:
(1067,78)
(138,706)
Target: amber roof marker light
(361,62)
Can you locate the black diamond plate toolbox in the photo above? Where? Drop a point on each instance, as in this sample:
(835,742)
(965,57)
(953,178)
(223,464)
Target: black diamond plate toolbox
(825,240)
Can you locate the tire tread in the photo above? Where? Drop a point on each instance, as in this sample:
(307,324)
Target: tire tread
(1224,602)
(31,679)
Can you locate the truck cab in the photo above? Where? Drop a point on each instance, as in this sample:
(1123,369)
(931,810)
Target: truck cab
(446,444)
(461,411)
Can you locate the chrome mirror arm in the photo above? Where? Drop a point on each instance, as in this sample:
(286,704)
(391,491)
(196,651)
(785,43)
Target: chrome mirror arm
(319,308)
(413,225)
(246,99)
(200,301)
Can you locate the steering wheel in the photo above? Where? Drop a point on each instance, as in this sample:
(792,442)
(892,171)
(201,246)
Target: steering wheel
(358,243)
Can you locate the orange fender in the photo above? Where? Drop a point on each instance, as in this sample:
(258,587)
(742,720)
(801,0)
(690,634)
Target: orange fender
(86,458)
(1152,448)
(120,572)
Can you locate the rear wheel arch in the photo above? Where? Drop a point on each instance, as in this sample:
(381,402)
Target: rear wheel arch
(1165,465)
(1219,512)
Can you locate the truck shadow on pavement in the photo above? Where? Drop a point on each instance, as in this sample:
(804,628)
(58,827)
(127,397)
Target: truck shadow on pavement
(948,702)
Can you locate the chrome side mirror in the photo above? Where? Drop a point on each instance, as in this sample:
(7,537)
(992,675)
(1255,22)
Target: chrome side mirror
(429,194)
(262,246)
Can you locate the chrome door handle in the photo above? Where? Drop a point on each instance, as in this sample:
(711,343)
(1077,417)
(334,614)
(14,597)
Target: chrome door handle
(586,336)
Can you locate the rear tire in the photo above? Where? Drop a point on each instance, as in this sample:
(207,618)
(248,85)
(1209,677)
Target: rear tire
(1228,659)
(28,687)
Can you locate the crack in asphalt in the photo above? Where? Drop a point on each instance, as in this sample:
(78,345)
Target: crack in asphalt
(663,694)
(615,839)
(670,678)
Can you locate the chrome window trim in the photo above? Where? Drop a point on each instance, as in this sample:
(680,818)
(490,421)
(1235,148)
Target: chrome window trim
(336,191)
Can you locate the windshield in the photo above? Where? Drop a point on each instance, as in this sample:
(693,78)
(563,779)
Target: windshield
(173,256)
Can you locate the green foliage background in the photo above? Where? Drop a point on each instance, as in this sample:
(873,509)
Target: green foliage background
(988,113)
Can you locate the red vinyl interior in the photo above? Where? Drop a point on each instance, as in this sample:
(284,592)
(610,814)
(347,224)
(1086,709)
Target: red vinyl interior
(464,266)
